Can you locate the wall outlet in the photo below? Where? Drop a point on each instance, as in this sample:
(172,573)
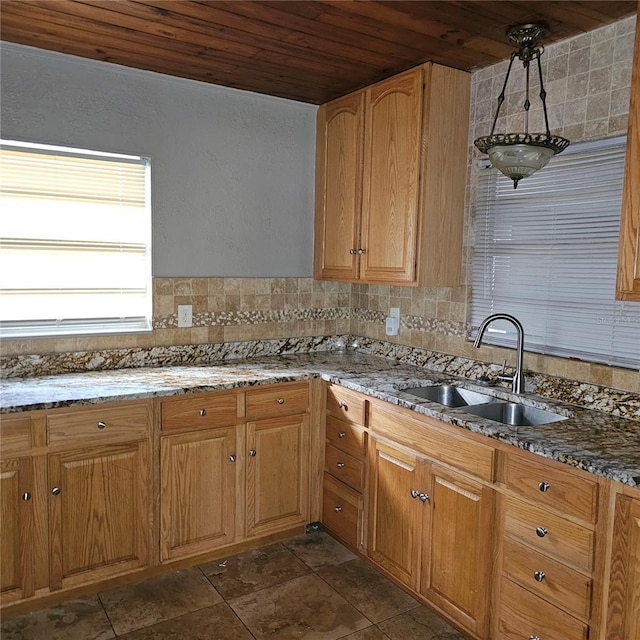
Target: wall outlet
(394,312)
(185,315)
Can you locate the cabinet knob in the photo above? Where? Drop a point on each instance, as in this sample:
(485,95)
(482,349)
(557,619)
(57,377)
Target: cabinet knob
(340,465)
(343,405)
(342,434)
(361,251)
(539,576)
(534,637)
(544,486)
(353,251)
(252,453)
(203,412)
(101,425)
(280,400)
(26,496)
(55,491)
(541,532)
(337,509)
(232,458)
(414,493)
(424,497)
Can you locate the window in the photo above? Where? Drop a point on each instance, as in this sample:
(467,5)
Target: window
(547,254)
(75,242)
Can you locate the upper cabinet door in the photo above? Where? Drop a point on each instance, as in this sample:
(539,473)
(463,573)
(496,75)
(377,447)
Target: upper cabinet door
(340,133)
(391,179)
(628,283)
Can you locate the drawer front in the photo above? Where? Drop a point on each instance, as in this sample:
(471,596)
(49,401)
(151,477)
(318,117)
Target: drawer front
(341,510)
(548,578)
(547,486)
(346,405)
(97,426)
(204,412)
(550,534)
(344,467)
(427,437)
(277,400)
(523,615)
(347,437)
(15,434)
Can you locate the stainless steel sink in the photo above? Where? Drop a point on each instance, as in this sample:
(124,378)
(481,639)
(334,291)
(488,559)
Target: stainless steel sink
(450,396)
(517,415)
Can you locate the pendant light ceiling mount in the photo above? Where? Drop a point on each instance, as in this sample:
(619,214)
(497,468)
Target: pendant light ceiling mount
(519,155)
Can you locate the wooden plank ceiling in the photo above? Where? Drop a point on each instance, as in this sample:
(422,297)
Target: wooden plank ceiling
(310,51)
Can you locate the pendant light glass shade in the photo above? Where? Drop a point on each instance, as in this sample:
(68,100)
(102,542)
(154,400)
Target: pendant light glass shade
(519,155)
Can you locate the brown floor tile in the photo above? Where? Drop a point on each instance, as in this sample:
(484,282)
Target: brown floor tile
(367,590)
(157,599)
(214,623)
(253,570)
(304,608)
(370,633)
(419,624)
(319,550)
(74,620)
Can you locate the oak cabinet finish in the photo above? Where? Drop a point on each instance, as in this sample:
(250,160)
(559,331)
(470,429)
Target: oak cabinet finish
(388,210)
(218,409)
(342,510)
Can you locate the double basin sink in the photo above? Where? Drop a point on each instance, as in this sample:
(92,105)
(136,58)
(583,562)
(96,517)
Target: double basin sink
(485,406)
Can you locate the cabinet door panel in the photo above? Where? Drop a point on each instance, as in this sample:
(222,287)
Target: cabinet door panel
(391,179)
(395,518)
(339,187)
(277,474)
(100,514)
(198,492)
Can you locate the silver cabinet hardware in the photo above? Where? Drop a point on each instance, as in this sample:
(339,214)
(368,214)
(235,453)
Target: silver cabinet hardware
(55,491)
(252,453)
(280,400)
(541,532)
(534,637)
(342,405)
(414,493)
(361,251)
(232,458)
(340,465)
(544,486)
(203,412)
(539,576)
(101,425)
(353,251)
(26,496)
(418,494)
(337,509)
(424,497)
(342,434)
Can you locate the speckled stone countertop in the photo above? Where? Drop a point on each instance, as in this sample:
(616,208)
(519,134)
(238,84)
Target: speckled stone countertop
(598,442)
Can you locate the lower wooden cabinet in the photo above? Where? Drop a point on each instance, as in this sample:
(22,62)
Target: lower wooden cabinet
(342,510)
(198,491)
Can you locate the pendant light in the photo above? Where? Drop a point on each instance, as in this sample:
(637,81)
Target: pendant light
(518,155)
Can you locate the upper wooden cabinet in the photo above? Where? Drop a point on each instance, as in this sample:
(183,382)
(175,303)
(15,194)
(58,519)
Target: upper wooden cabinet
(390,175)
(628,282)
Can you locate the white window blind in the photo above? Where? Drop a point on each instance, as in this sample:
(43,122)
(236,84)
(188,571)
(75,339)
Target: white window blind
(547,253)
(75,242)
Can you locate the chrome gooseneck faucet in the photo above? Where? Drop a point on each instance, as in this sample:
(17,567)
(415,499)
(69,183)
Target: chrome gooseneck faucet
(517,380)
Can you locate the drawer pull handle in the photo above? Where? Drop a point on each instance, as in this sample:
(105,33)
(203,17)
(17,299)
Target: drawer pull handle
(252,453)
(544,486)
(203,412)
(26,496)
(340,465)
(541,532)
(280,400)
(55,491)
(343,405)
(101,425)
(337,509)
(342,434)
(232,458)
(539,576)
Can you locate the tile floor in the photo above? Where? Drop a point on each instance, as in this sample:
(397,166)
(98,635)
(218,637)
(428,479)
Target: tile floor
(306,588)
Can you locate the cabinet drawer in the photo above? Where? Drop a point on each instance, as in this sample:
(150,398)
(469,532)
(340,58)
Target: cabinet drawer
(203,412)
(341,510)
(15,434)
(277,400)
(523,615)
(346,405)
(345,467)
(427,437)
(548,578)
(550,534)
(548,486)
(97,426)
(345,436)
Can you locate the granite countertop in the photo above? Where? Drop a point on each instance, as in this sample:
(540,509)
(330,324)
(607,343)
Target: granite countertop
(598,442)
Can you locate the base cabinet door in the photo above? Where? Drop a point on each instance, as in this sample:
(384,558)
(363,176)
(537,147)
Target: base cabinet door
(198,492)
(456,553)
(277,474)
(397,495)
(99,513)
